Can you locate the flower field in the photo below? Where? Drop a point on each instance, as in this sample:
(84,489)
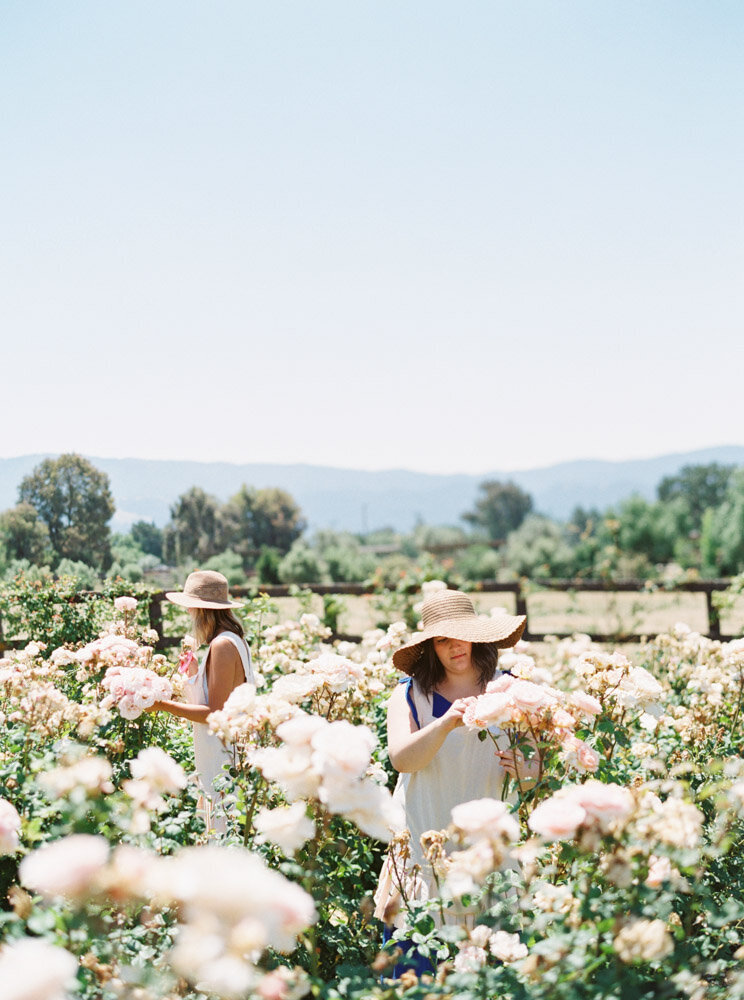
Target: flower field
(617,873)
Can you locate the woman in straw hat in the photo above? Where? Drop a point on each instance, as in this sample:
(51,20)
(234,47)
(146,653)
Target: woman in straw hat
(225,665)
(442,764)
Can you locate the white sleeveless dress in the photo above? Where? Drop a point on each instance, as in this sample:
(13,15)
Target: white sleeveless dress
(464,768)
(210,753)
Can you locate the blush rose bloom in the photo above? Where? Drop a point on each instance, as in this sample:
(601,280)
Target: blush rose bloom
(602,801)
(643,941)
(487,818)
(67,867)
(507,947)
(585,703)
(125,604)
(557,819)
(500,684)
(343,749)
(494,709)
(287,826)
(159,770)
(31,969)
(10,824)
(579,754)
(530,697)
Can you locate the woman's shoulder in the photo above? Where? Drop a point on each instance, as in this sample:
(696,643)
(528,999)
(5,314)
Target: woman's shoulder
(225,641)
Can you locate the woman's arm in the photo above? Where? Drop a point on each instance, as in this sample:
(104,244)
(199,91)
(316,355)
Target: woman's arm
(183,709)
(409,748)
(224,660)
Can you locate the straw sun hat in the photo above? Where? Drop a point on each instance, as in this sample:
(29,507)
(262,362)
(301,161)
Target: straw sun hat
(203,589)
(451,614)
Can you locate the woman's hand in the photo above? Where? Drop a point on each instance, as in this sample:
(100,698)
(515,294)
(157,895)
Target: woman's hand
(409,747)
(453,717)
(516,766)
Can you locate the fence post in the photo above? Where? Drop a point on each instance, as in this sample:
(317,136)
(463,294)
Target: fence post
(156,616)
(714,618)
(520,601)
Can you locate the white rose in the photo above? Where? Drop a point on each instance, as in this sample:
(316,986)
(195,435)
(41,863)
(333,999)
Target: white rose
(31,969)
(159,770)
(66,867)
(288,827)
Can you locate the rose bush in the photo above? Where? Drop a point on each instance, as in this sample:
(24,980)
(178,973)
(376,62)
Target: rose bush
(617,872)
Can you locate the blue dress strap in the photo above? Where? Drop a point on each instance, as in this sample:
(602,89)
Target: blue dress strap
(409,698)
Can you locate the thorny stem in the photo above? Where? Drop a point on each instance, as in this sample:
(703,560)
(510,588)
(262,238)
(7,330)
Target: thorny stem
(738,704)
(250,811)
(310,866)
(440,904)
(398,881)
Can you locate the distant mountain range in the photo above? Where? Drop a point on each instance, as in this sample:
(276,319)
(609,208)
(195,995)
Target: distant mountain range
(357,500)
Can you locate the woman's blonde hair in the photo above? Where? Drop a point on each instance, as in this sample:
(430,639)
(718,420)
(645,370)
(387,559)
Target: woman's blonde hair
(209,622)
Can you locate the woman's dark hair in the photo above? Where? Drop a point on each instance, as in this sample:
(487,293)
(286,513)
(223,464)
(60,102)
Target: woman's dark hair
(209,622)
(429,672)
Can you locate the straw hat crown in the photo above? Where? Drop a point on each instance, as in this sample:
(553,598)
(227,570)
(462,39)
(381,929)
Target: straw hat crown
(444,606)
(450,613)
(203,589)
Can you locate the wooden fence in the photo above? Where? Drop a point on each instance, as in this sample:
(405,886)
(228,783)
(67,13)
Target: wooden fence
(521,590)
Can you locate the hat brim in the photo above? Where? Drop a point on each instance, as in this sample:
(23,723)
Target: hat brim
(502,632)
(189,601)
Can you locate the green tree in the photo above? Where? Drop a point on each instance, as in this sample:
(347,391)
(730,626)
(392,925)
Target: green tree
(478,562)
(84,577)
(702,487)
(256,518)
(267,565)
(343,556)
(499,509)
(657,531)
(196,530)
(230,565)
(302,564)
(24,535)
(538,548)
(439,538)
(148,537)
(73,498)
(722,541)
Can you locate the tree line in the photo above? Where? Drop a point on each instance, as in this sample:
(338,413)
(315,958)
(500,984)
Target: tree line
(60,525)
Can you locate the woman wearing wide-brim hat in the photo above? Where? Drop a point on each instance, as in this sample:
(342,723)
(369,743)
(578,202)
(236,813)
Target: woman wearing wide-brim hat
(442,764)
(210,681)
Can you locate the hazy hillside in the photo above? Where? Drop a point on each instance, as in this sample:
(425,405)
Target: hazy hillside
(354,499)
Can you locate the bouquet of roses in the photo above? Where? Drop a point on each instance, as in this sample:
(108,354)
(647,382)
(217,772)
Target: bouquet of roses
(134,689)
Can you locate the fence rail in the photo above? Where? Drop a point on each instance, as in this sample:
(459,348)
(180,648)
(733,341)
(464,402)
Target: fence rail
(521,590)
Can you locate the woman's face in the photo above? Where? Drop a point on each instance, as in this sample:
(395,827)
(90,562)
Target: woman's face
(455,655)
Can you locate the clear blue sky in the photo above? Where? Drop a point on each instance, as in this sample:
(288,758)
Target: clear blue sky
(446,236)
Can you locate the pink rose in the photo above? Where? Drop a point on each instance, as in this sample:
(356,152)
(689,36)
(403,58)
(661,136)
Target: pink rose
(603,802)
(557,819)
(10,824)
(485,818)
(529,697)
(576,753)
(562,719)
(489,710)
(66,867)
(502,683)
(585,703)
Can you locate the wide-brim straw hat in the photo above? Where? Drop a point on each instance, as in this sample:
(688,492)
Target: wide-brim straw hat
(203,589)
(451,614)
